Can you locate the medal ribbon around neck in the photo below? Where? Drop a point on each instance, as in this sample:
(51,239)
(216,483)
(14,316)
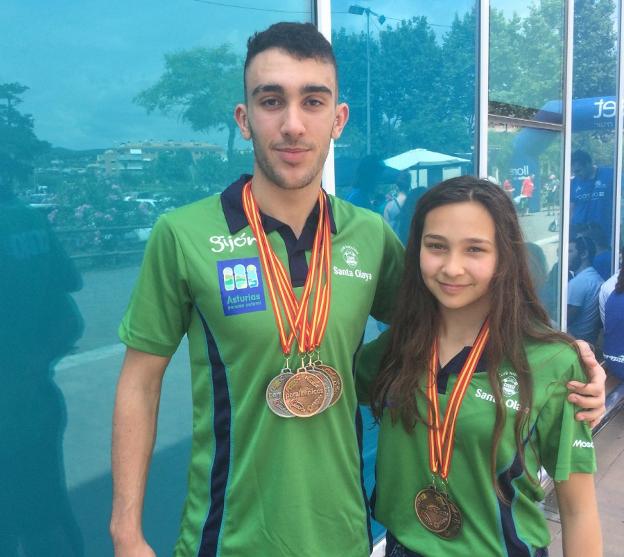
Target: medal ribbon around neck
(442,430)
(308,334)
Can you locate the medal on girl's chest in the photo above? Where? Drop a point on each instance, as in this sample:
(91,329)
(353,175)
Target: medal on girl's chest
(435,510)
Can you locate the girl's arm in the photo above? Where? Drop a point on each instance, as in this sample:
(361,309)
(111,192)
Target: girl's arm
(578,509)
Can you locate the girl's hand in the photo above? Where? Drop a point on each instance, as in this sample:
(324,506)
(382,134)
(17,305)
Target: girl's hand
(589,396)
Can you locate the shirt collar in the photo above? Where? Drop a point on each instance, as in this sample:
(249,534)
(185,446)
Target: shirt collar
(232,204)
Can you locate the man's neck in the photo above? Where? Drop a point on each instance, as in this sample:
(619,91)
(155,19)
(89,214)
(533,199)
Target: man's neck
(292,207)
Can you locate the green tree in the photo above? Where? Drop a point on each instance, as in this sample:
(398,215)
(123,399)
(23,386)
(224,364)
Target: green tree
(201,85)
(506,71)
(214,174)
(408,89)
(595,47)
(173,167)
(350,48)
(541,57)
(422,95)
(19,146)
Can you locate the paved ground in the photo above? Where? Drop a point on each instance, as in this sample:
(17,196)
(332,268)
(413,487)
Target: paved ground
(609,445)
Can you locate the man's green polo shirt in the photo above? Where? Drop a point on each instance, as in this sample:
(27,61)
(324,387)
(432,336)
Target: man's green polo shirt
(261,485)
(490,527)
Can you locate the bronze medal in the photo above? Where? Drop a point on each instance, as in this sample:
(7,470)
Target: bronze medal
(455,523)
(335,379)
(329,389)
(275,394)
(433,510)
(304,394)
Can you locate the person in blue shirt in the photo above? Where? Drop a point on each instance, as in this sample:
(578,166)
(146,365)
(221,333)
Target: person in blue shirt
(591,193)
(613,348)
(367,178)
(583,291)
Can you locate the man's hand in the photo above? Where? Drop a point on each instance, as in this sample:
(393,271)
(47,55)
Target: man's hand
(589,396)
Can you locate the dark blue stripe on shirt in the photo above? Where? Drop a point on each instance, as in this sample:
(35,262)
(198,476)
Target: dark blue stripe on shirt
(359,429)
(221,463)
(514,545)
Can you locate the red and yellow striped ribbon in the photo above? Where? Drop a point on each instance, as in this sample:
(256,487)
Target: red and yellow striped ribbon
(309,332)
(442,430)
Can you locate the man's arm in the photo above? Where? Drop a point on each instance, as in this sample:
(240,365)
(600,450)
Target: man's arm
(589,396)
(134,433)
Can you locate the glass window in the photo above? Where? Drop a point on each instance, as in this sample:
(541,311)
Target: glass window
(525,128)
(111,113)
(408,75)
(593,160)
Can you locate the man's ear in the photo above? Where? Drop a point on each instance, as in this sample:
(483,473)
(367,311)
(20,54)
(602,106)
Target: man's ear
(342,116)
(240,115)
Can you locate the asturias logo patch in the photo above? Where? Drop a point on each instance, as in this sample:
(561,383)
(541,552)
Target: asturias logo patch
(240,282)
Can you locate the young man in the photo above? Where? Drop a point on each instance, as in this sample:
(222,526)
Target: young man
(260,484)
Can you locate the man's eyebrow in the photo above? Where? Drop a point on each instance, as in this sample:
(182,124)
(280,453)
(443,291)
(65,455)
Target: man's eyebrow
(313,88)
(267,88)
(305,90)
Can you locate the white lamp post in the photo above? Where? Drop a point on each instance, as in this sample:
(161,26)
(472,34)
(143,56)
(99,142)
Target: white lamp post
(359,10)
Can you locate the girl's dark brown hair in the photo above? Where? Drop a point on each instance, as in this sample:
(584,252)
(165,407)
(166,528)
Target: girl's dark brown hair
(516,315)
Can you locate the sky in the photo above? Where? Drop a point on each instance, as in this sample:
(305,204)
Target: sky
(85,60)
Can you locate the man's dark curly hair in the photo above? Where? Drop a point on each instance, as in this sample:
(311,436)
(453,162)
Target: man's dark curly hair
(300,40)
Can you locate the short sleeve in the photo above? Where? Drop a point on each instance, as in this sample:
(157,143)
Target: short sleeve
(159,311)
(576,293)
(565,444)
(390,275)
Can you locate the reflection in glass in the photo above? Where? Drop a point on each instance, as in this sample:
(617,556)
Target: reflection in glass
(407,71)
(525,128)
(421,92)
(131,108)
(593,156)
(583,290)
(40,324)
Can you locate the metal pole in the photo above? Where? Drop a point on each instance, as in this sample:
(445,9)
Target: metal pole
(619,139)
(368,108)
(567,155)
(322,16)
(483,88)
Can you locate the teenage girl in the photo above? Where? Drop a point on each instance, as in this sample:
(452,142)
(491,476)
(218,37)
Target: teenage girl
(471,395)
